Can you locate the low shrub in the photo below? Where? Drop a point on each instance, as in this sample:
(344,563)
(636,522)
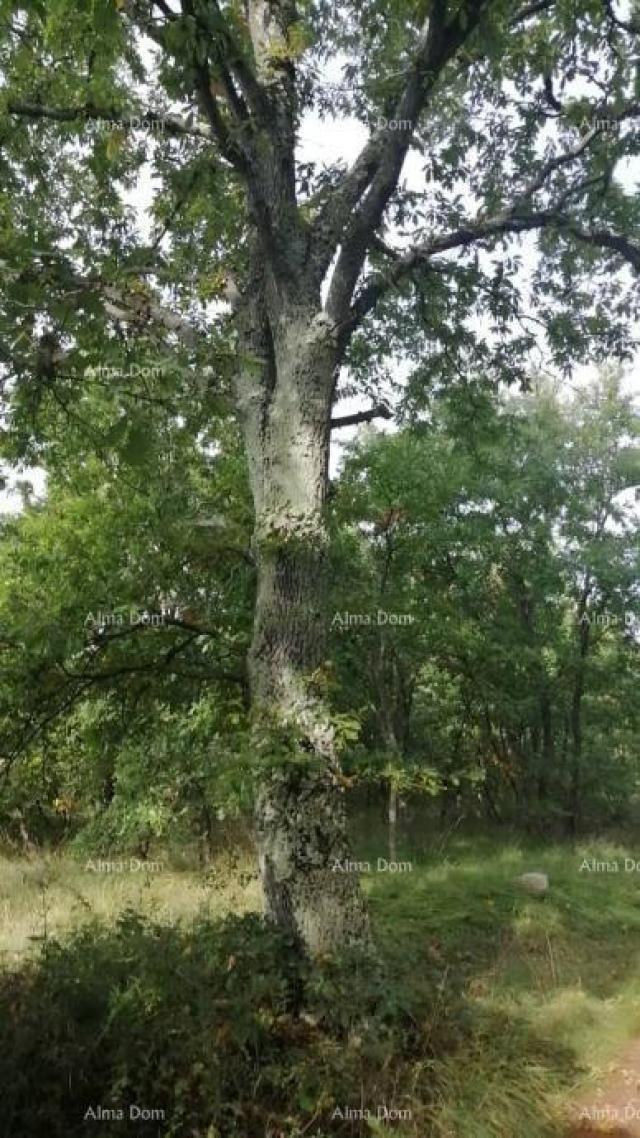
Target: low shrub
(215,1030)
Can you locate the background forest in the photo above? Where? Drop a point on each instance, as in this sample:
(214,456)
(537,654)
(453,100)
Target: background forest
(484,617)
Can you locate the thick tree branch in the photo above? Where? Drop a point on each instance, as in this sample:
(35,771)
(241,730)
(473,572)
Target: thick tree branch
(602,239)
(137,308)
(377,168)
(533,10)
(217,65)
(257,133)
(382,159)
(380,411)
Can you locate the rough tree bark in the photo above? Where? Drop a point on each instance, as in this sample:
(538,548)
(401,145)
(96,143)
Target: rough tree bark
(284,397)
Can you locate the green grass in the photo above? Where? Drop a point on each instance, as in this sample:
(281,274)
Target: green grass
(558,976)
(512,1005)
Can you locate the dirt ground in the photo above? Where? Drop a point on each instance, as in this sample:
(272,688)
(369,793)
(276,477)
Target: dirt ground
(613,1108)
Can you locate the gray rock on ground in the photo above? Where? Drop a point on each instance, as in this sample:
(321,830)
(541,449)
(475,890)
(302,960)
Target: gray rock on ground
(533,882)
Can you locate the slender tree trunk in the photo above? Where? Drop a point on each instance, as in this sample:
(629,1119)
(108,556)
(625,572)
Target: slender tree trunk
(575,789)
(309,885)
(547,747)
(387,695)
(490,803)
(576,763)
(393,821)
(390,742)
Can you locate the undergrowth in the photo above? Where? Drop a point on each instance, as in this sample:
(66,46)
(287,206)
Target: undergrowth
(488,1009)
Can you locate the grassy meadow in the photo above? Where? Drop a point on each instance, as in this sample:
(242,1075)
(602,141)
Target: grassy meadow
(44,896)
(499,1009)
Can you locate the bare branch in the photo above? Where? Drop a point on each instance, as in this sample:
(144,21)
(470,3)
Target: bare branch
(626,25)
(380,411)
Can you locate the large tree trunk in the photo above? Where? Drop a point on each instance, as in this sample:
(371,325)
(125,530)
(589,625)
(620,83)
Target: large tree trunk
(306,866)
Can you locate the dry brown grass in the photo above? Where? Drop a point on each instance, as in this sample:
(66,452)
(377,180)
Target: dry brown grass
(45,895)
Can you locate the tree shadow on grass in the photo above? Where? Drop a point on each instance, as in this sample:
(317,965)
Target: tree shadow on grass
(220,1030)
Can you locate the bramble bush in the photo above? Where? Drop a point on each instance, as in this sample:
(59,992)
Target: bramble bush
(222,1026)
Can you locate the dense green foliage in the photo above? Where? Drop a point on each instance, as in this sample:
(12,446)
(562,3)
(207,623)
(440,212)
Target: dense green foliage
(138,143)
(501,672)
(510,548)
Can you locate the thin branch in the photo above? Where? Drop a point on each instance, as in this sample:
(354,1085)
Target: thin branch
(556,163)
(89,677)
(82,682)
(168,124)
(579,188)
(253,91)
(141,397)
(229,148)
(164,8)
(626,25)
(567,157)
(33,731)
(506,223)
